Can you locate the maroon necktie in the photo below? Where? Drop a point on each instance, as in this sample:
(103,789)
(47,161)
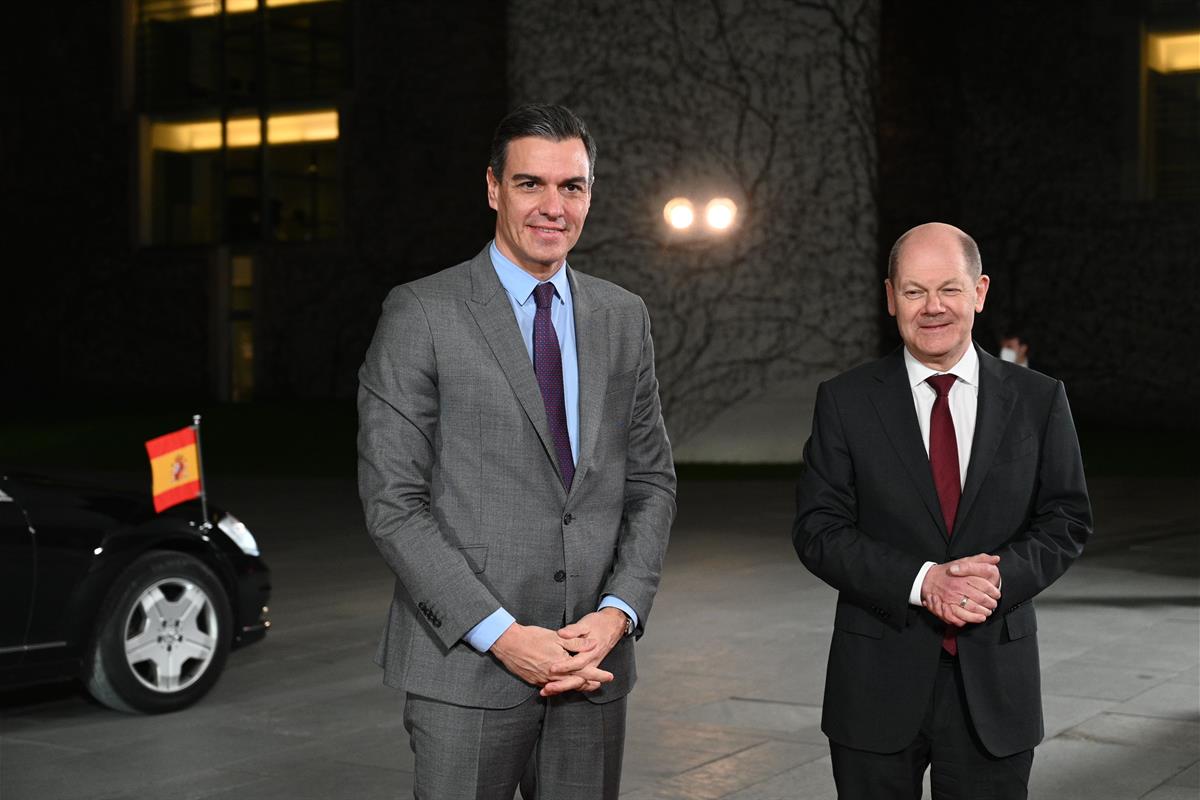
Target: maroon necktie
(943,461)
(547,365)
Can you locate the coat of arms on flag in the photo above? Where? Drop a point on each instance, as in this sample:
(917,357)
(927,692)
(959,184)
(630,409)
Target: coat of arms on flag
(175,467)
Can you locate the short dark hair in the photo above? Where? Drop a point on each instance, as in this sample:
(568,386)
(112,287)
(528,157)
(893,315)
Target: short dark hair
(969,248)
(545,121)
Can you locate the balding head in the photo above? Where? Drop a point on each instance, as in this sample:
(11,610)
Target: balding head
(933,233)
(935,287)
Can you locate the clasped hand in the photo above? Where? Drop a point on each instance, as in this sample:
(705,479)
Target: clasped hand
(564,660)
(976,578)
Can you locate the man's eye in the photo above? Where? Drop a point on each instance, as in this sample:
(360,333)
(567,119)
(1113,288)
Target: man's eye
(573,187)
(951,291)
(912,294)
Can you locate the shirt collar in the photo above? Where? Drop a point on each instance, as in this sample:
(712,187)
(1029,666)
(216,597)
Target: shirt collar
(520,284)
(966,370)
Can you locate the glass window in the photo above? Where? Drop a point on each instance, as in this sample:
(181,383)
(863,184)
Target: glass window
(1172,122)
(206,182)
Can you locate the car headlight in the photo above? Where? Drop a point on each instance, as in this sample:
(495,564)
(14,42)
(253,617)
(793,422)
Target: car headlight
(236,530)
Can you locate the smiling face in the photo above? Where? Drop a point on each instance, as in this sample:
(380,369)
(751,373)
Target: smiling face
(541,202)
(934,296)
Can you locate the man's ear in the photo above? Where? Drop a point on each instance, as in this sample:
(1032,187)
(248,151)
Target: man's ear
(981,287)
(493,188)
(891,296)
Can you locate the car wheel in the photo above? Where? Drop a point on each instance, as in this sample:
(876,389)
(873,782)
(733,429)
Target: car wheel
(162,636)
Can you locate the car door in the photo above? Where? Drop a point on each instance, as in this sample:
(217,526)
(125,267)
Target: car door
(69,523)
(17,569)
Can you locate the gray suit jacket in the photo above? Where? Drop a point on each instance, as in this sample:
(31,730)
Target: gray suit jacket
(460,483)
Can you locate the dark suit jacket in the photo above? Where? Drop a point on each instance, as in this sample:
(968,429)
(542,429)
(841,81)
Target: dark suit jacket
(868,517)
(460,485)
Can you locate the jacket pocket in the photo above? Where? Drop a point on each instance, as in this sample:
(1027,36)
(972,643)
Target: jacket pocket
(1020,622)
(476,556)
(852,619)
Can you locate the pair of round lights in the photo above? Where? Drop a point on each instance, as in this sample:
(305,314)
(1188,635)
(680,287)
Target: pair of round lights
(719,214)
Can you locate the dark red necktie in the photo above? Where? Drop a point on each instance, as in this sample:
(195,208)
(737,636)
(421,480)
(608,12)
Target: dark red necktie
(547,365)
(943,461)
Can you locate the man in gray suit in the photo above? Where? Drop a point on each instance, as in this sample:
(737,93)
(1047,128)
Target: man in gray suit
(517,478)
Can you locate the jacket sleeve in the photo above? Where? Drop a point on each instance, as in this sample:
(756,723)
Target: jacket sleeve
(1061,519)
(398,428)
(873,573)
(649,494)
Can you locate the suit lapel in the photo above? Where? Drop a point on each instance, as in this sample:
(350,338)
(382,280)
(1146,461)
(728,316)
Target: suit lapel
(494,315)
(894,404)
(591,346)
(995,405)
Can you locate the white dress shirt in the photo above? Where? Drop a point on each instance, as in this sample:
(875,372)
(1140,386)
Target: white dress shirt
(964,404)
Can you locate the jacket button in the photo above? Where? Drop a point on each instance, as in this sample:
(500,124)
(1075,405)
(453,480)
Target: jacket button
(568,519)
(560,576)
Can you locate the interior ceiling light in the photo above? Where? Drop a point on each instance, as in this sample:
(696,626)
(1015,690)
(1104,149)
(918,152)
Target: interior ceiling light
(187,137)
(182,9)
(1173,52)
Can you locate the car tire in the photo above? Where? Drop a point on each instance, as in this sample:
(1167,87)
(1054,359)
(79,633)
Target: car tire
(162,636)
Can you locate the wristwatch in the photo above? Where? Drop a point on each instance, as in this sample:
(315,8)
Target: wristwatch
(628,624)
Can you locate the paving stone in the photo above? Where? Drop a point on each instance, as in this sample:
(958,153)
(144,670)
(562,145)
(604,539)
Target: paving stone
(1070,769)
(1170,793)
(1138,731)
(811,781)
(1168,700)
(1076,677)
(1172,645)
(760,715)
(1188,779)
(1062,713)
(724,776)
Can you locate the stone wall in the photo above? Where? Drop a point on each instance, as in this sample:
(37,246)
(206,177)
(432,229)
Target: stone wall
(767,102)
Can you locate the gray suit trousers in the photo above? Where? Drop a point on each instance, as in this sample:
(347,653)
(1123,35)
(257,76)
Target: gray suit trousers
(554,748)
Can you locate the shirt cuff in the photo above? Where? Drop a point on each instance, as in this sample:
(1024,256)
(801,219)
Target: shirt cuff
(612,601)
(485,634)
(914,596)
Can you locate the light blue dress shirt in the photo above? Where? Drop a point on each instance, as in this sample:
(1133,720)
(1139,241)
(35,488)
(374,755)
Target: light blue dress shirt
(519,285)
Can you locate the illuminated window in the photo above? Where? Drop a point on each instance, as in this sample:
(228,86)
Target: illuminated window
(1171,135)
(240,126)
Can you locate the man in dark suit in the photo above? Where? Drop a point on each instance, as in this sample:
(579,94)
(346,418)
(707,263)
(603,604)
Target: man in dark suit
(517,479)
(943,490)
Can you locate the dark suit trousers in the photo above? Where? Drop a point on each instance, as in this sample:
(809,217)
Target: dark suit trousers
(960,767)
(559,747)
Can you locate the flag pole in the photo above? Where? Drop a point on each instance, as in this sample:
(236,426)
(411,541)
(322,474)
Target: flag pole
(200,468)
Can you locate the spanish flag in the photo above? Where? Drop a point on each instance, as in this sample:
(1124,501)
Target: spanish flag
(175,467)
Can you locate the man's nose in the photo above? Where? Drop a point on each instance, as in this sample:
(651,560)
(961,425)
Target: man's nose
(551,205)
(933,304)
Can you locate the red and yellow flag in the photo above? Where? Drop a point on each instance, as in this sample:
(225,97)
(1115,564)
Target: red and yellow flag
(175,467)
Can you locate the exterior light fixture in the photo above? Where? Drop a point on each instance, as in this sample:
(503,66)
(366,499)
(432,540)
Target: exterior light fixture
(720,213)
(678,213)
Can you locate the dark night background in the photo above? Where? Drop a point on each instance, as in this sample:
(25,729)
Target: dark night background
(1031,126)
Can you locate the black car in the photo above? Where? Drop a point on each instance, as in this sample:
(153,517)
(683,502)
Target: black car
(143,607)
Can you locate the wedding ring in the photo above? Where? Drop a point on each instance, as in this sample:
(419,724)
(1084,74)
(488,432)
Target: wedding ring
(963,602)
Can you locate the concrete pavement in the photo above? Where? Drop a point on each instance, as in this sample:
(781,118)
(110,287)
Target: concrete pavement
(732,667)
